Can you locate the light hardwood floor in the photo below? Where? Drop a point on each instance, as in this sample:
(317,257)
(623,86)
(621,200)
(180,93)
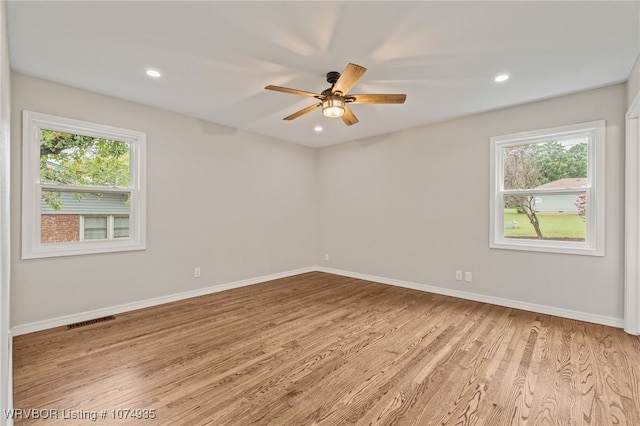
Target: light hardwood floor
(328,350)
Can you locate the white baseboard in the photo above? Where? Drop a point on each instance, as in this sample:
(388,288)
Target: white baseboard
(113,310)
(516,304)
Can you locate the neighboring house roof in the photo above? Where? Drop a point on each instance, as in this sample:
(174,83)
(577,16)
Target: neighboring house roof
(565,183)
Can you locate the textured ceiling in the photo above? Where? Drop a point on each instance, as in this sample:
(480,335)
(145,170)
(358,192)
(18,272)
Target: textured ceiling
(217,57)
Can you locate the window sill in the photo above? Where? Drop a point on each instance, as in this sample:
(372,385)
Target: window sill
(80,248)
(561,247)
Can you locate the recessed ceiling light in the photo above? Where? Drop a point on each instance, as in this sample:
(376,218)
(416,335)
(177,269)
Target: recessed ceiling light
(153,73)
(318,129)
(501,77)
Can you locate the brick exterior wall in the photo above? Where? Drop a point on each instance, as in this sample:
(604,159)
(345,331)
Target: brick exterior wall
(59,228)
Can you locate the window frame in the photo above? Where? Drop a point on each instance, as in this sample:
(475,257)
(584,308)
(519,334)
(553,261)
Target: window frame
(595,190)
(32,247)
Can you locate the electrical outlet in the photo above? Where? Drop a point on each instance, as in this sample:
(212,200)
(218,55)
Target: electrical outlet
(467,277)
(196,272)
(458,275)
(326,257)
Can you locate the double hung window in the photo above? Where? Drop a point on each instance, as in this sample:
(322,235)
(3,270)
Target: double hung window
(83,187)
(547,190)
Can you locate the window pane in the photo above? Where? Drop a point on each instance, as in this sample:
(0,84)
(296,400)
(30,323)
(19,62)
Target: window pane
(559,163)
(560,217)
(95,227)
(121,227)
(70,159)
(61,211)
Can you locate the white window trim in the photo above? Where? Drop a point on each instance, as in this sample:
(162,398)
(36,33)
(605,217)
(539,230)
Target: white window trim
(33,123)
(594,244)
(632,220)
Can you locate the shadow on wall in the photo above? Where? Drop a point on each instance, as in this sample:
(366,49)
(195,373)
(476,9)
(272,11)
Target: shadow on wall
(210,128)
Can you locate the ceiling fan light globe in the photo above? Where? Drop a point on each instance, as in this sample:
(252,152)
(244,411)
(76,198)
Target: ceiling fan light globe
(333,107)
(333,112)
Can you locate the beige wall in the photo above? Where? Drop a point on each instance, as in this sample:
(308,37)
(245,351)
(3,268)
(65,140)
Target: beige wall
(633,84)
(410,206)
(236,204)
(414,206)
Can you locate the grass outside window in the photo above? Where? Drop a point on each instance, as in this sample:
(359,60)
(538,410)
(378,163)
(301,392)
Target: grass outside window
(554,226)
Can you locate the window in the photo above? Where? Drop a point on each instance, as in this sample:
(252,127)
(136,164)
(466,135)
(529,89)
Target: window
(547,191)
(83,187)
(104,227)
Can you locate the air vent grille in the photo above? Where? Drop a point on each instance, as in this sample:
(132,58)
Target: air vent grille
(89,322)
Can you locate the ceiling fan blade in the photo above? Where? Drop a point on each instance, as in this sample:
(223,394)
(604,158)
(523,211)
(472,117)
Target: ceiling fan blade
(293,91)
(349,117)
(377,99)
(348,78)
(301,112)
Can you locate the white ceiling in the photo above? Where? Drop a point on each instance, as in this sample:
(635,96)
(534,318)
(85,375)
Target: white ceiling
(217,57)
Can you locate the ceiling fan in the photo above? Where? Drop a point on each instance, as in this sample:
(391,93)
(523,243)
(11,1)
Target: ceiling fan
(334,100)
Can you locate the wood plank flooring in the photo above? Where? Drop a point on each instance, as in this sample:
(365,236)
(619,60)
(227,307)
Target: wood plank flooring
(319,349)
